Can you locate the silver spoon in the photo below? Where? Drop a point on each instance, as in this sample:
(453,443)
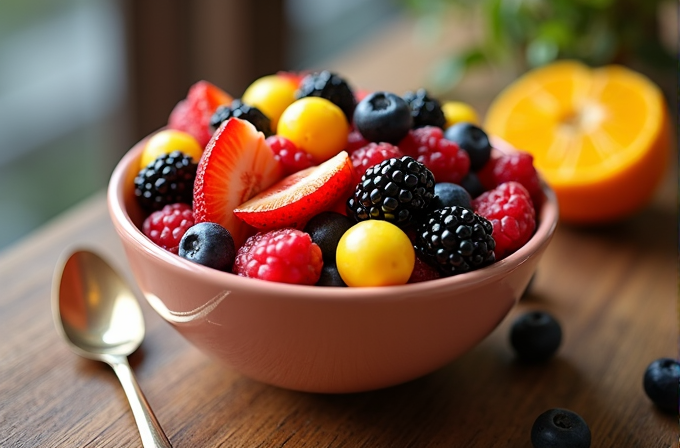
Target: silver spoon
(99,316)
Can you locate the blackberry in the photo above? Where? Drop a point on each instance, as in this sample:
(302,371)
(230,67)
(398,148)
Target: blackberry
(330,86)
(455,240)
(425,111)
(169,179)
(238,109)
(398,190)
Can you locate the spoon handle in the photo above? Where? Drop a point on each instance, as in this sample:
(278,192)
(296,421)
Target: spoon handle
(149,429)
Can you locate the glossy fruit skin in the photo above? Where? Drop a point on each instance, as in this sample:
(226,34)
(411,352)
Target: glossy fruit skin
(167,141)
(208,244)
(316,126)
(375,253)
(396,190)
(292,158)
(271,94)
(236,165)
(535,336)
(166,227)
(560,428)
(425,110)
(473,140)
(282,255)
(326,229)
(661,381)
(238,109)
(457,111)
(330,276)
(443,157)
(472,185)
(293,200)
(447,194)
(455,240)
(511,212)
(192,114)
(330,86)
(383,117)
(167,180)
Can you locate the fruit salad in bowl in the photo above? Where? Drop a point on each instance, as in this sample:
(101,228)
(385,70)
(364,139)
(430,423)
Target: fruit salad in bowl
(325,239)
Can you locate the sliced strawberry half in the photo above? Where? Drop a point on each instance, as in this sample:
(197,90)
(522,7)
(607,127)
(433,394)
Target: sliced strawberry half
(236,165)
(192,114)
(296,198)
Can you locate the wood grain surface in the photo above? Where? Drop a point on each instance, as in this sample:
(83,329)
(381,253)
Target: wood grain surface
(613,289)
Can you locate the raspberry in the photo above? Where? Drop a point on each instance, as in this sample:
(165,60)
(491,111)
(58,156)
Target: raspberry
(282,255)
(167,226)
(443,157)
(512,214)
(292,158)
(423,272)
(355,141)
(516,166)
(372,154)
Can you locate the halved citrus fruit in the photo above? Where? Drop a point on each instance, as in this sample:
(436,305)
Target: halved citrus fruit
(600,137)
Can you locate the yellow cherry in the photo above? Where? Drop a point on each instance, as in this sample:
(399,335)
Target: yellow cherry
(457,111)
(375,253)
(167,141)
(271,94)
(316,126)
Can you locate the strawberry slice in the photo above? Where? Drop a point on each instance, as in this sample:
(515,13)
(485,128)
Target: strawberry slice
(192,114)
(236,165)
(298,197)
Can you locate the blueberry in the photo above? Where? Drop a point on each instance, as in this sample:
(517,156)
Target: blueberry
(472,140)
(330,276)
(383,117)
(535,336)
(209,244)
(560,428)
(661,382)
(448,195)
(326,229)
(473,185)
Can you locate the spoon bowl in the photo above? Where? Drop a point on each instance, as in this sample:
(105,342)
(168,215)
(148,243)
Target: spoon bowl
(99,316)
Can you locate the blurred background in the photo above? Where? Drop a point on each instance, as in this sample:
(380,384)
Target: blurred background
(81,80)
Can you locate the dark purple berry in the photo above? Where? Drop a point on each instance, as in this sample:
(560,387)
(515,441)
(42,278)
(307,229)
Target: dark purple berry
(330,86)
(472,140)
(560,428)
(535,336)
(330,276)
(238,109)
(472,185)
(425,110)
(208,244)
(383,117)
(448,195)
(326,229)
(661,383)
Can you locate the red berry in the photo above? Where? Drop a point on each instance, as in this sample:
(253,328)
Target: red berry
(192,114)
(283,255)
(292,158)
(166,227)
(512,214)
(355,141)
(443,157)
(515,166)
(372,154)
(423,272)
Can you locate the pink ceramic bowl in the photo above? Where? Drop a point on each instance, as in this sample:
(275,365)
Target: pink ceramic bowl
(322,339)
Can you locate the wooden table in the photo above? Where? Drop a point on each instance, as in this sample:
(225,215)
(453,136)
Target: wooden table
(614,290)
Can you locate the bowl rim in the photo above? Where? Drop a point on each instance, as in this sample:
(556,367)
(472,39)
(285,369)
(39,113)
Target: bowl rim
(547,223)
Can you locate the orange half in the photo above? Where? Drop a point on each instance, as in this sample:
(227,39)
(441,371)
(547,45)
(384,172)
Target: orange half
(600,137)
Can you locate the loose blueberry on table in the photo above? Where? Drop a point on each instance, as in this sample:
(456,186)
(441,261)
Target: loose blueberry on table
(535,336)
(560,428)
(661,383)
